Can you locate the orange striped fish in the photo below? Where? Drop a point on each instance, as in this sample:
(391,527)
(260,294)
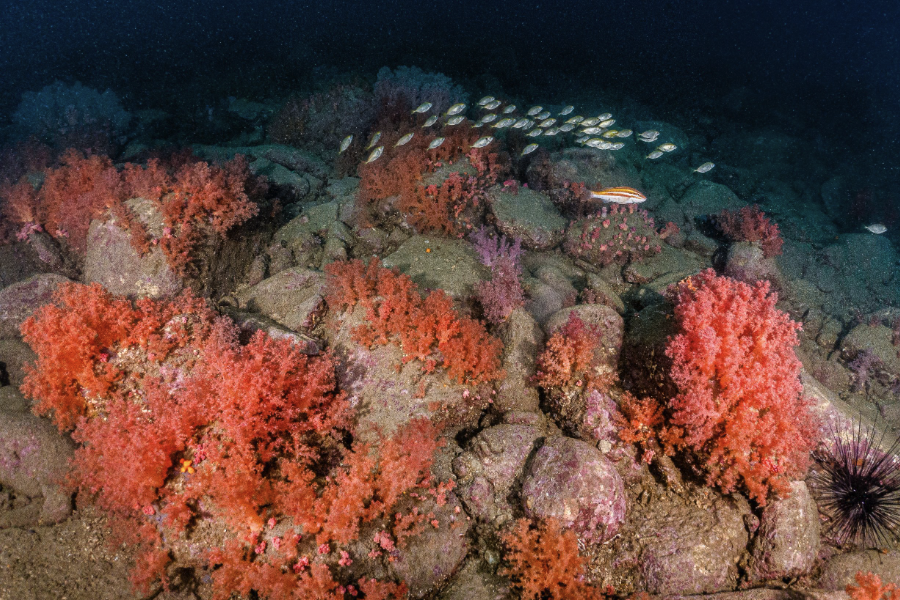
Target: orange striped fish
(619,195)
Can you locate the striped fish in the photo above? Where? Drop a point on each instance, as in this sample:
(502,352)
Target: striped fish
(619,195)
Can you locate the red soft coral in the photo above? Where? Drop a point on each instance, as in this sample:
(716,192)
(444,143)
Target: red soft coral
(739,404)
(428,329)
(571,358)
(750,224)
(544,562)
(179,422)
(869,587)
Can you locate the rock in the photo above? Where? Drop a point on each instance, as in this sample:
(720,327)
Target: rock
(113,262)
(528,215)
(14,355)
(292,297)
(435,262)
(434,555)
(19,300)
(691,549)
(573,482)
(708,198)
(787,541)
(492,464)
(840,571)
(522,339)
(34,459)
(746,262)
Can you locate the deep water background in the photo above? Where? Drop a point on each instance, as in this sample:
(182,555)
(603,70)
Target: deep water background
(825,63)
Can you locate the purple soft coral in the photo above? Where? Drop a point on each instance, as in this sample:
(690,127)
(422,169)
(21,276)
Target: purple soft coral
(503,293)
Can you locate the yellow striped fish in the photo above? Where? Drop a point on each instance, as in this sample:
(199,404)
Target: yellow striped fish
(619,195)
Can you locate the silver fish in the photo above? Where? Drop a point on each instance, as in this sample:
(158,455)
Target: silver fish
(482,142)
(655,154)
(876,228)
(435,143)
(605,116)
(551,131)
(534,132)
(455,109)
(504,123)
(605,122)
(509,109)
(576,119)
(567,127)
(534,110)
(624,133)
(492,105)
(667,147)
(345,143)
(567,110)
(456,120)
(423,108)
(543,115)
(404,139)
(592,130)
(589,122)
(430,121)
(649,136)
(609,134)
(520,123)
(529,149)
(546,122)
(485,100)
(375,137)
(705,167)
(375,154)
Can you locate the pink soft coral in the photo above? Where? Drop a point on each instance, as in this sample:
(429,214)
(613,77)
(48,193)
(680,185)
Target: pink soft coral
(739,405)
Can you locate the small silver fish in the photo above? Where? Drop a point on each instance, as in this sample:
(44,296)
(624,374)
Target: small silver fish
(455,109)
(509,109)
(520,123)
(423,108)
(876,228)
(504,123)
(492,105)
(430,121)
(375,154)
(404,139)
(345,143)
(605,122)
(604,116)
(546,122)
(589,122)
(567,127)
(567,110)
(551,131)
(610,134)
(576,119)
(375,137)
(456,120)
(529,149)
(482,142)
(649,136)
(705,167)
(534,110)
(488,118)
(435,143)
(543,115)
(617,146)
(655,154)
(624,133)
(667,147)
(592,130)
(485,100)
(534,132)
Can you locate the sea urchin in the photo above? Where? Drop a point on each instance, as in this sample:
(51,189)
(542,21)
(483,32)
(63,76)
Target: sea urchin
(857,485)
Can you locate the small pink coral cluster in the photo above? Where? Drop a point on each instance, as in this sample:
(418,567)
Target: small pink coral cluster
(617,234)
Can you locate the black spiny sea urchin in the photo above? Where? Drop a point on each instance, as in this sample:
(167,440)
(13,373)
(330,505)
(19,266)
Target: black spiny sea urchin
(857,485)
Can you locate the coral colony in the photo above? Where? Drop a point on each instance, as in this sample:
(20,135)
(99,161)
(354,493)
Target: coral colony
(223,447)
